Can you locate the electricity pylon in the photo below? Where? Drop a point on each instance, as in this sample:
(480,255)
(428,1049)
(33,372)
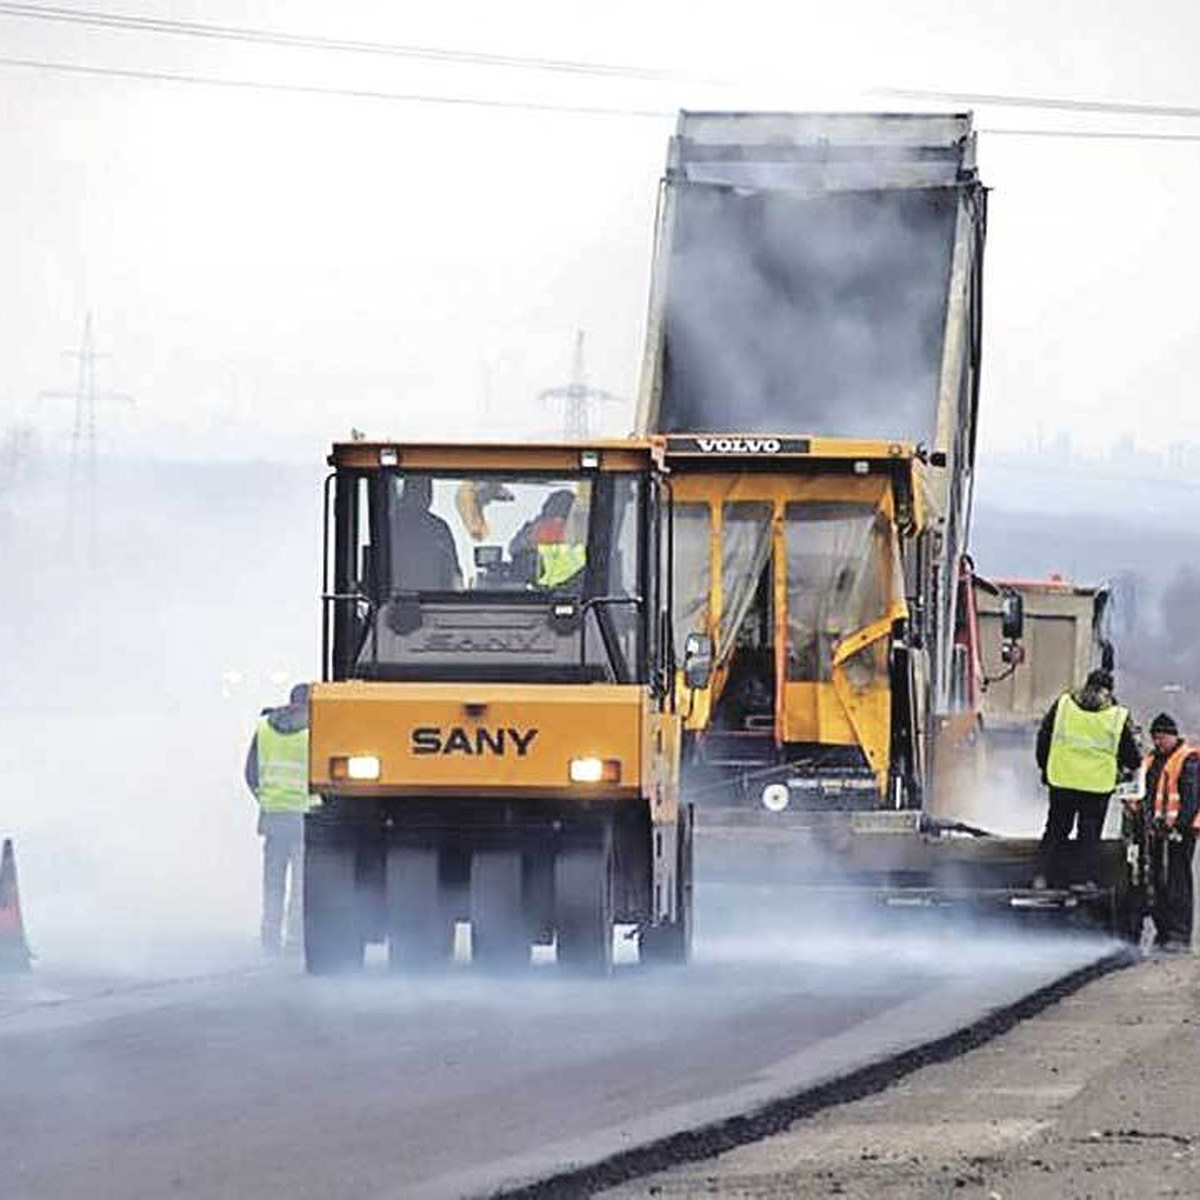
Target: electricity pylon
(577,397)
(83,430)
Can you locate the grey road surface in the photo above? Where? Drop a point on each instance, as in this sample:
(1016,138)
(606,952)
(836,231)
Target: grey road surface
(255,1081)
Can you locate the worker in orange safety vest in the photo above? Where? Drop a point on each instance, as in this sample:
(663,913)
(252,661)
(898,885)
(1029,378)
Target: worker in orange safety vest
(1171,806)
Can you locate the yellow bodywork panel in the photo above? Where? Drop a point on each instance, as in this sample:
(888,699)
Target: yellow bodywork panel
(852,706)
(487,739)
(817,712)
(717,488)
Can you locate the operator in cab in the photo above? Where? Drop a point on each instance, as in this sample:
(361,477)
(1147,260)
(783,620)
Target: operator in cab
(424,558)
(544,551)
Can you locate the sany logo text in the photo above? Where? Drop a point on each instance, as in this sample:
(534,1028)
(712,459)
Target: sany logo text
(429,739)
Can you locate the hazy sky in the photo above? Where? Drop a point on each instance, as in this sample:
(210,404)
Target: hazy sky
(268,268)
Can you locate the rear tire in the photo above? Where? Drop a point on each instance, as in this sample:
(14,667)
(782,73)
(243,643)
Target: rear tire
(333,940)
(419,925)
(499,931)
(583,907)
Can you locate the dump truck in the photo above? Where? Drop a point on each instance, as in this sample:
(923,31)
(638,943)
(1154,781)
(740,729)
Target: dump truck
(813,360)
(1066,635)
(495,739)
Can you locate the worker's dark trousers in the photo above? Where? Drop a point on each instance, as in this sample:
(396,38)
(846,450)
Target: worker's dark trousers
(283,856)
(1067,807)
(1171,864)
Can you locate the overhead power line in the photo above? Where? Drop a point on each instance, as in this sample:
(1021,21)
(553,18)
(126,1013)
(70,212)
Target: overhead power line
(276,37)
(1050,103)
(304,89)
(1099,135)
(490,102)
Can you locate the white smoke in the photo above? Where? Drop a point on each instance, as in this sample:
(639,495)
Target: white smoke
(144,627)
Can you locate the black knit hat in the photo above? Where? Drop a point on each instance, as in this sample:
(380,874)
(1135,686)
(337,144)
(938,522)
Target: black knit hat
(1164,723)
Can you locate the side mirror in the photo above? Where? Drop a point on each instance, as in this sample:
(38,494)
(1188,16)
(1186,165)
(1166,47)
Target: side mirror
(697,660)
(1012,616)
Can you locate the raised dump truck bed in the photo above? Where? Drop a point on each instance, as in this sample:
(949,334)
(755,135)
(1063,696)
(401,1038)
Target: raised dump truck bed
(818,274)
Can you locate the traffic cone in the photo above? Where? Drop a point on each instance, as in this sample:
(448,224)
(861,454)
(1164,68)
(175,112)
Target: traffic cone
(14,950)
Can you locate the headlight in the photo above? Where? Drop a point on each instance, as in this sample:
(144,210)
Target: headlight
(595,770)
(775,797)
(361,767)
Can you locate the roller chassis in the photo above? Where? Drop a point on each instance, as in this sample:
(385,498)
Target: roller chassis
(405,873)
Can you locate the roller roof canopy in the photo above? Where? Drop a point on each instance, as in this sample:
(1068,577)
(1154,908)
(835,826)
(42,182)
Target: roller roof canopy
(634,454)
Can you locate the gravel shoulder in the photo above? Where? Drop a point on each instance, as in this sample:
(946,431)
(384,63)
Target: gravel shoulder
(1095,1097)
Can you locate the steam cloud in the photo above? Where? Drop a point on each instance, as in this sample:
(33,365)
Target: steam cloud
(136,662)
(814,314)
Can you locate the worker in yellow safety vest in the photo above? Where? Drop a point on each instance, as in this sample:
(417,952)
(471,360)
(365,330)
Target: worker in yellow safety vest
(559,562)
(1085,741)
(277,774)
(1171,807)
(545,551)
